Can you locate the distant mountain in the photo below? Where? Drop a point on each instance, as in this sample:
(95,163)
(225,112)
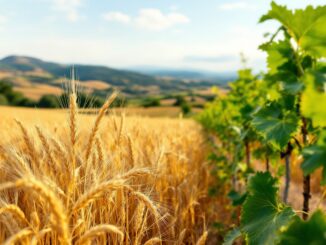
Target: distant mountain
(35,77)
(216,77)
(84,72)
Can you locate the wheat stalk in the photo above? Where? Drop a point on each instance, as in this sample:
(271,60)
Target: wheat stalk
(202,239)
(182,236)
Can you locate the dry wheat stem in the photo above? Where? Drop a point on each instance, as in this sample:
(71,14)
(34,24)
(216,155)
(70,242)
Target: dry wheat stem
(202,239)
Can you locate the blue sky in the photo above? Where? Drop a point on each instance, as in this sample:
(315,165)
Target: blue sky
(184,34)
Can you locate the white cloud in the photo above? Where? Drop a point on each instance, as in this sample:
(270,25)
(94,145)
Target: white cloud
(69,8)
(149,19)
(236,5)
(117,17)
(155,20)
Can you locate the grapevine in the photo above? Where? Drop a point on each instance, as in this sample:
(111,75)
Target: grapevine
(274,118)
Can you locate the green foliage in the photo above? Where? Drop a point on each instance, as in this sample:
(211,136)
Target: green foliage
(282,111)
(48,101)
(186,108)
(314,101)
(263,215)
(11,97)
(5,88)
(306,27)
(237,198)
(310,232)
(3,100)
(151,102)
(315,157)
(278,54)
(179,100)
(231,236)
(275,125)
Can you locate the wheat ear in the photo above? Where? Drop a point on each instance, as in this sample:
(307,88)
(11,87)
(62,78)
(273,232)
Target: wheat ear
(73,125)
(99,230)
(148,203)
(121,128)
(45,145)
(153,241)
(50,197)
(136,172)
(30,146)
(18,236)
(99,117)
(39,236)
(131,151)
(97,191)
(15,211)
(100,150)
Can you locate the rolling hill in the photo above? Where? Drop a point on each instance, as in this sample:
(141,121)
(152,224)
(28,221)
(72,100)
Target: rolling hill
(35,77)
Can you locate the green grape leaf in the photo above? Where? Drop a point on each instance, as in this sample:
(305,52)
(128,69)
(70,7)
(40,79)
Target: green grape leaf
(278,54)
(306,26)
(231,236)
(313,41)
(245,74)
(263,215)
(315,157)
(278,12)
(275,126)
(237,198)
(301,232)
(293,88)
(314,102)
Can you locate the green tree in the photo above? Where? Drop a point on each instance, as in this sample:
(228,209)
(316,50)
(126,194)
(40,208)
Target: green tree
(186,108)
(48,101)
(179,100)
(3,100)
(151,102)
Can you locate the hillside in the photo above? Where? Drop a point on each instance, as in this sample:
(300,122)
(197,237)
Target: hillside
(221,78)
(35,77)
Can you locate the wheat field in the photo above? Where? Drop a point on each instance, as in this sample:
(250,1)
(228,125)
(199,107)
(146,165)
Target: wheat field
(68,178)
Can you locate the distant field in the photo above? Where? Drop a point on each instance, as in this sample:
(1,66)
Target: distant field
(32,113)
